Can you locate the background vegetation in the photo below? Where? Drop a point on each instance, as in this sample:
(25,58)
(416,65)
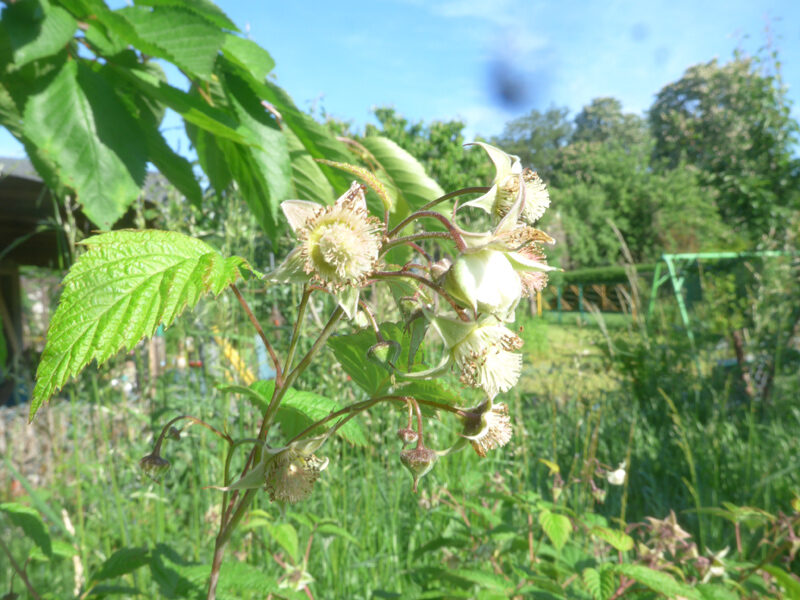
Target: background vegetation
(706,428)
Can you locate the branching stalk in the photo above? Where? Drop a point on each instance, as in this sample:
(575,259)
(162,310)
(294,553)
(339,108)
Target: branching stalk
(461,192)
(414,237)
(20,571)
(454,233)
(276,363)
(428,283)
(231,517)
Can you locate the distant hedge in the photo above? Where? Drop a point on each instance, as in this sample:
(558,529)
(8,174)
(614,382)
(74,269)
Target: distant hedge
(610,274)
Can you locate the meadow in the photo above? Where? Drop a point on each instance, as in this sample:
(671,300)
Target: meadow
(598,390)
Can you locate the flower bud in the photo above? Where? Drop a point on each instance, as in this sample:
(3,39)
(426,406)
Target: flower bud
(558,487)
(407,435)
(384,354)
(419,461)
(440,267)
(154,466)
(485,281)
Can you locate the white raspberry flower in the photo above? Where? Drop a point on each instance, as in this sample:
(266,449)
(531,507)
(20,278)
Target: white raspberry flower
(338,245)
(505,190)
(488,360)
(290,476)
(487,427)
(617,477)
(484,352)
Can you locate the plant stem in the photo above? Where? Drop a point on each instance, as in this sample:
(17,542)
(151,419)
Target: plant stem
(414,237)
(427,282)
(354,409)
(227,525)
(371,319)
(301,311)
(461,192)
(257,325)
(20,571)
(433,215)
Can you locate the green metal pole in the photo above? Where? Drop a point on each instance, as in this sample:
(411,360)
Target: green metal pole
(654,288)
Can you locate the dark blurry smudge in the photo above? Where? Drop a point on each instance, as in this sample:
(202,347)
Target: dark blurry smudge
(514,88)
(507,84)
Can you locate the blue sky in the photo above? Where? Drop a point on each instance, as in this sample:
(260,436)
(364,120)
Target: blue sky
(441,59)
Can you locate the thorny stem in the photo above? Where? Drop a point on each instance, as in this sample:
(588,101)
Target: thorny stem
(20,571)
(231,517)
(408,239)
(301,311)
(260,330)
(622,588)
(461,192)
(371,319)
(427,282)
(195,421)
(454,233)
(422,251)
(415,406)
(358,407)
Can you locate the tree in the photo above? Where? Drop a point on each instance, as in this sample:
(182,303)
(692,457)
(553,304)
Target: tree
(439,146)
(81,87)
(602,120)
(732,122)
(537,137)
(595,183)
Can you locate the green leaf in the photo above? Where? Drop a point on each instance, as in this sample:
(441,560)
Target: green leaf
(716,591)
(211,157)
(435,390)
(331,529)
(351,352)
(315,137)
(208,10)
(787,581)
(484,579)
(407,175)
(299,409)
(60,548)
(658,581)
(105,590)
(172,165)
(103,41)
(601,583)
(617,539)
(79,124)
(123,561)
(44,33)
(31,523)
(557,527)
(286,537)
(440,542)
(263,173)
(181,36)
(309,181)
(248,55)
(120,290)
(177,578)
